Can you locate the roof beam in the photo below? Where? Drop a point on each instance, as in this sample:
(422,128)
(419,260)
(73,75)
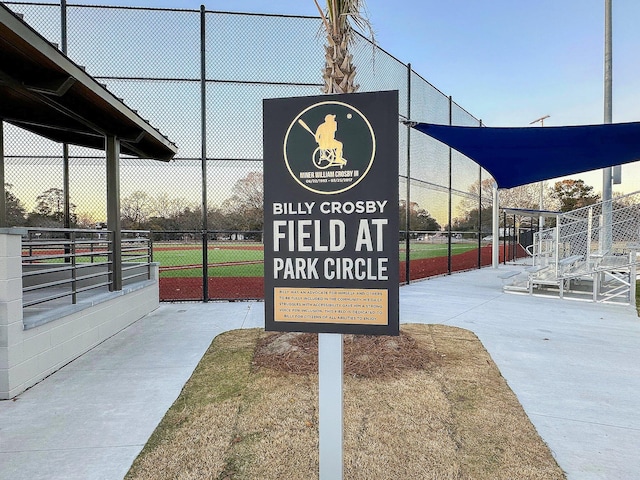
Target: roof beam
(55,87)
(67,120)
(36,96)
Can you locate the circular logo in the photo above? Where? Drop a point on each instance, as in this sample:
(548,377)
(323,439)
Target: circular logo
(329,147)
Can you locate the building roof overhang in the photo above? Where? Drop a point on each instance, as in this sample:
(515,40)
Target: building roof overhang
(43,91)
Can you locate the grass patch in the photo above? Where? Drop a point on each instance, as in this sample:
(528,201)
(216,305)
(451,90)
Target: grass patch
(242,416)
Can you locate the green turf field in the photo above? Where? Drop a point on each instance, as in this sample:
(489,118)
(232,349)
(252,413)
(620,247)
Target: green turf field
(192,255)
(419,251)
(169,255)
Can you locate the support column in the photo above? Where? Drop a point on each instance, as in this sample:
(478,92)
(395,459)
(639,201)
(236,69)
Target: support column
(495,228)
(65,186)
(66,215)
(479,216)
(112,148)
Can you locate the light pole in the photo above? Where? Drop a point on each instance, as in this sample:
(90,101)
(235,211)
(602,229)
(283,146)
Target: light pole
(541,120)
(607,176)
(541,218)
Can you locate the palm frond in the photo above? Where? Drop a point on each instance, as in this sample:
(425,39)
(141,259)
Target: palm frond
(344,15)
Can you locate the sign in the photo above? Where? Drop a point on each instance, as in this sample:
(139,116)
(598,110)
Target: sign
(331,213)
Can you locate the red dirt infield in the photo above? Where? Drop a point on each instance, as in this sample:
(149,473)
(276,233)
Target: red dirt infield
(220,288)
(252,288)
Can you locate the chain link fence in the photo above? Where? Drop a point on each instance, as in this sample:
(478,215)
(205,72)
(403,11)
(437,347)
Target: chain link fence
(200,77)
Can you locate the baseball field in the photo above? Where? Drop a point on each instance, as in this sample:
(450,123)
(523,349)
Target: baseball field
(236,269)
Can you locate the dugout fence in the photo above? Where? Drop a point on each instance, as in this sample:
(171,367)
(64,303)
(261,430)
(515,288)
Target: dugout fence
(202,76)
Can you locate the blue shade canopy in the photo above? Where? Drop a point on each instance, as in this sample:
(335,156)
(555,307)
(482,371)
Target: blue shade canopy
(518,156)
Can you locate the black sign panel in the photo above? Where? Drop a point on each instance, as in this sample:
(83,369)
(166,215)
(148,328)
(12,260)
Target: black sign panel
(331,213)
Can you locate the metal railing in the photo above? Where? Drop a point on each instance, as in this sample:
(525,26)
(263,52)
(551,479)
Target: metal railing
(596,245)
(137,255)
(60,265)
(595,232)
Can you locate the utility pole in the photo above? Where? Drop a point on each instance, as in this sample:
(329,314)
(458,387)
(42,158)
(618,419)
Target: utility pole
(541,217)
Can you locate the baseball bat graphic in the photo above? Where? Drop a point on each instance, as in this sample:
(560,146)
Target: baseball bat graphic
(306,127)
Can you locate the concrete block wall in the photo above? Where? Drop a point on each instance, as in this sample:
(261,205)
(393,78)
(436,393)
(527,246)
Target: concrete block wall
(28,356)
(11,327)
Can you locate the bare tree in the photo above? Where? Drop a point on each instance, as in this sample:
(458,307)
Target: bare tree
(164,206)
(244,210)
(524,196)
(527,196)
(135,209)
(49,209)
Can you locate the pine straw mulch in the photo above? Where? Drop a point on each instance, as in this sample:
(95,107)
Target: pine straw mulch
(429,404)
(365,356)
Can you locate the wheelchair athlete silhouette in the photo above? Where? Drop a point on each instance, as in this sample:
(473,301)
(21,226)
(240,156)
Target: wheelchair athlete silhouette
(329,151)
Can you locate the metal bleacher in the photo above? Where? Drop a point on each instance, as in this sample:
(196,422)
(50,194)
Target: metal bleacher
(591,254)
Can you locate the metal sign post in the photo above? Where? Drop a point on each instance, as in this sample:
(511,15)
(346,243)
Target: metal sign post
(330,414)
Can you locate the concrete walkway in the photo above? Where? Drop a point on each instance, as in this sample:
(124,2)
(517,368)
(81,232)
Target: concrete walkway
(575,367)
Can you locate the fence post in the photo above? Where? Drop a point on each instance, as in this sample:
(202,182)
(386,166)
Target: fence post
(66,203)
(63,26)
(450,211)
(203,136)
(407,217)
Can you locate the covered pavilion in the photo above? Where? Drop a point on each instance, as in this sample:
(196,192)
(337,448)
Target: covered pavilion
(43,91)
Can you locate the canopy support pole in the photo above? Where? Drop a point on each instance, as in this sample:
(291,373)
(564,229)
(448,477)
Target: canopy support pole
(495,228)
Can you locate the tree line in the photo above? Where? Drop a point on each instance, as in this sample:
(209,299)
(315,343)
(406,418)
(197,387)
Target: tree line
(243,210)
(563,196)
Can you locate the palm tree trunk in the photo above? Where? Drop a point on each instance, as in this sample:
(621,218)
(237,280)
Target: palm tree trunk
(339,72)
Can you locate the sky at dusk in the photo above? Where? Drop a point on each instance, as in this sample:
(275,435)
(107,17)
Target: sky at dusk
(506,62)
